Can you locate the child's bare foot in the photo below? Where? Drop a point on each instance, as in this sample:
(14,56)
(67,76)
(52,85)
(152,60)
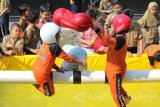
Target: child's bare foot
(127,99)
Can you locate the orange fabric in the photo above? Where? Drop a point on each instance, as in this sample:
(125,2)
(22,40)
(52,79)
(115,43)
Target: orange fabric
(115,65)
(43,65)
(40,85)
(151,49)
(105,49)
(108,40)
(115,59)
(20,23)
(21,33)
(112,81)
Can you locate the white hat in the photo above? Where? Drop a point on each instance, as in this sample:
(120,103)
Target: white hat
(48,32)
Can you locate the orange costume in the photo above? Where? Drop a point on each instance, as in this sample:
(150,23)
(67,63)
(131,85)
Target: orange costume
(116,65)
(23,23)
(153,52)
(43,65)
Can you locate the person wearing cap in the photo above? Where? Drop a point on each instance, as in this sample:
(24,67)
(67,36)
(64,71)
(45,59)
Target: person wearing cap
(116,65)
(153,52)
(46,57)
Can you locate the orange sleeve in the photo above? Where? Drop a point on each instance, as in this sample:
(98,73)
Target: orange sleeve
(150,50)
(108,40)
(68,58)
(145,51)
(105,49)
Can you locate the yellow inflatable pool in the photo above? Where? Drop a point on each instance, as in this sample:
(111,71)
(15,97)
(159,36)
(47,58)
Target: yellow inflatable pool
(83,95)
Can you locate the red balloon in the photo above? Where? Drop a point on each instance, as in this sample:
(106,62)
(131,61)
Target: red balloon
(79,22)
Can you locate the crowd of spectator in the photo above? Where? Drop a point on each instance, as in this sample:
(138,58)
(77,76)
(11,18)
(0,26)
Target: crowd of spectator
(144,31)
(24,38)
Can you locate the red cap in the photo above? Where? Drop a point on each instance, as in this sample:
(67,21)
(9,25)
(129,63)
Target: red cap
(121,22)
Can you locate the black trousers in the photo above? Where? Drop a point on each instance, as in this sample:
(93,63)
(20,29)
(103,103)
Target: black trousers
(4,26)
(132,49)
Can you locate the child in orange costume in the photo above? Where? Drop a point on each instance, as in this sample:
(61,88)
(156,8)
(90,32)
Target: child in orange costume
(153,52)
(116,65)
(45,60)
